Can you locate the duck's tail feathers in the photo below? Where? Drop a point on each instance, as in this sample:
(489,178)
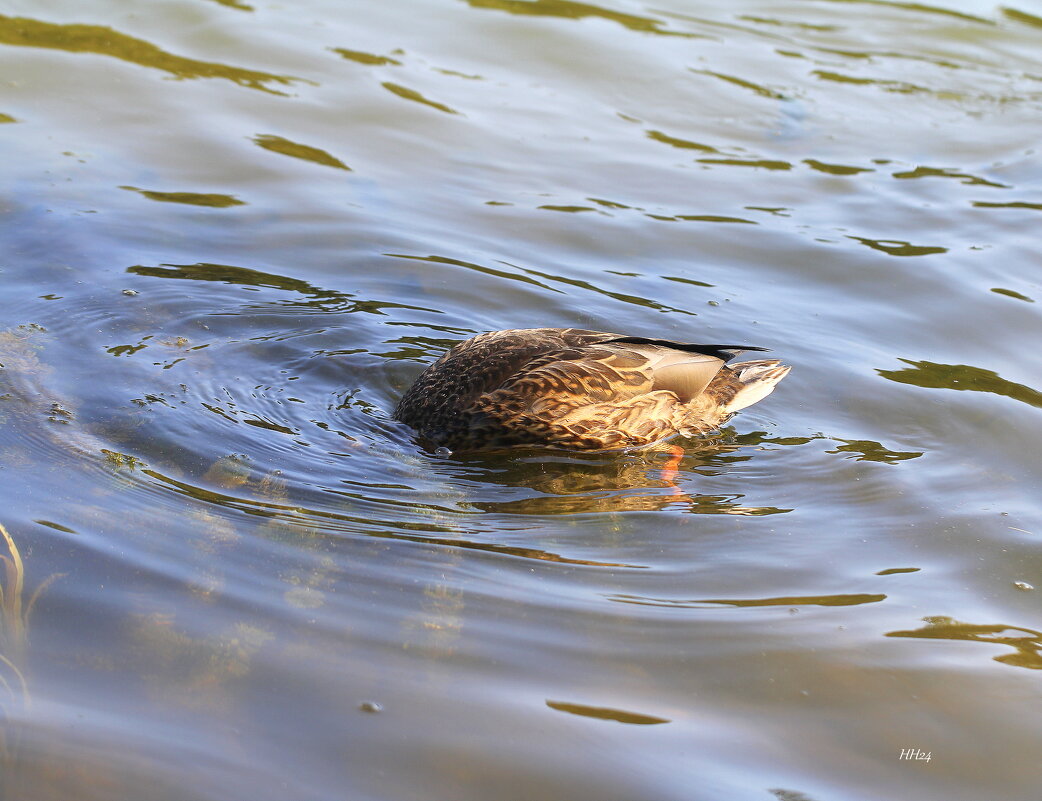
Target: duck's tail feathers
(756,380)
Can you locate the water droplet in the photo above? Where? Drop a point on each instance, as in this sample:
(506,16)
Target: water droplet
(1022,585)
(130,292)
(371,707)
(442,452)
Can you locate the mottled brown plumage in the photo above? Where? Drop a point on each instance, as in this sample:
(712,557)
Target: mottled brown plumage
(576,389)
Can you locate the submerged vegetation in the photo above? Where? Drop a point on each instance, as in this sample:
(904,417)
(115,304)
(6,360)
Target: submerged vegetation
(15,612)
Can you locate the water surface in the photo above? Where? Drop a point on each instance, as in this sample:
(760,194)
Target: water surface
(234,232)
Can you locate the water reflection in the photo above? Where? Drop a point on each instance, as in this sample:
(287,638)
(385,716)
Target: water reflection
(406,93)
(105,41)
(568,9)
(277,144)
(1026,643)
(327,300)
(209,199)
(963,377)
(869,451)
(365,58)
(856,599)
(606,713)
(1009,293)
(235,4)
(577,485)
(899,247)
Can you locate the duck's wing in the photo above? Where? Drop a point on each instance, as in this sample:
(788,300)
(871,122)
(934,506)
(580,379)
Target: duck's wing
(608,371)
(480,365)
(618,393)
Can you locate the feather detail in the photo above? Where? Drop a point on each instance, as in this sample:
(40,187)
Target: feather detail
(578,389)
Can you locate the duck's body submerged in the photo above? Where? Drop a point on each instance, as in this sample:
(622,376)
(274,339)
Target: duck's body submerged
(582,390)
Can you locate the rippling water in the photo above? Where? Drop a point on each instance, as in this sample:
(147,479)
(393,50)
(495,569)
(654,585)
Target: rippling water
(232,234)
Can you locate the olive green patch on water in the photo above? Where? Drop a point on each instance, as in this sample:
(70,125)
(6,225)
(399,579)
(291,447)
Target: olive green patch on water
(457,74)
(895,570)
(476,267)
(763,164)
(56,526)
(364,58)
(1027,643)
(260,422)
(777,211)
(6,118)
(865,450)
(568,9)
(276,144)
(606,713)
(687,281)
(210,200)
(804,26)
(1016,204)
(227,273)
(762,91)
(898,247)
(717,218)
(835,169)
(102,40)
(572,209)
(787,600)
(122,461)
(944,172)
(932,375)
(234,4)
(1022,16)
(901,87)
(416,97)
(610,204)
(1009,293)
(637,301)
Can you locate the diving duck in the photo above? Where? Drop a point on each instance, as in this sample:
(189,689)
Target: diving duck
(580,390)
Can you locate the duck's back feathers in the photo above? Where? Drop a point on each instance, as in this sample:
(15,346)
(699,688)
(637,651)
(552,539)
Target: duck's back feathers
(573,388)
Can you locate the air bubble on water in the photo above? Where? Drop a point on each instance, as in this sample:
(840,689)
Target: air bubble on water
(442,452)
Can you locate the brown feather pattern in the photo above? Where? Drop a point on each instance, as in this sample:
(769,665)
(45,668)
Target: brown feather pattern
(578,389)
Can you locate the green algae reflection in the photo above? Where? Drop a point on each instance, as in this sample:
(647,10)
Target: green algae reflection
(931,375)
(606,713)
(362,57)
(1026,643)
(406,93)
(568,9)
(276,144)
(104,41)
(211,200)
